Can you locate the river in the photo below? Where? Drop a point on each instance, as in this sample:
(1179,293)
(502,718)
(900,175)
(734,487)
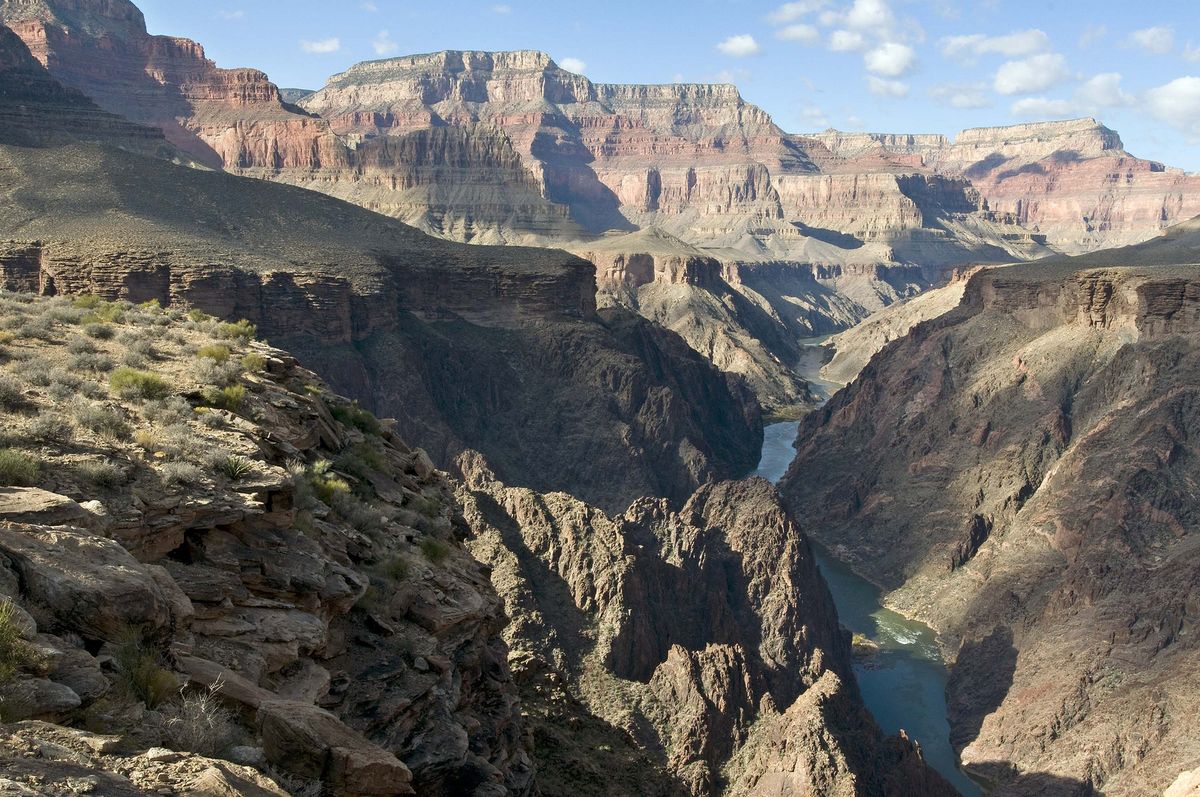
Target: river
(904,683)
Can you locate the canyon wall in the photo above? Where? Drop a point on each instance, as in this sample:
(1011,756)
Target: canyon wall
(1016,473)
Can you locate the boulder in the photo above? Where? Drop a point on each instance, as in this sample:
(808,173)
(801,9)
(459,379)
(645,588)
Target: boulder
(37,698)
(31,505)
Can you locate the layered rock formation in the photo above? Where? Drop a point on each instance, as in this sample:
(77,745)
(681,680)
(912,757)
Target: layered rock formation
(1071,182)
(699,643)
(206,521)
(500,350)
(1018,474)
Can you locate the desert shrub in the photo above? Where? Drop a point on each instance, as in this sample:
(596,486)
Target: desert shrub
(254,362)
(210,372)
(142,673)
(108,313)
(12,394)
(235,467)
(360,514)
(166,411)
(33,371)
(106,422)
(130,383)
(47,428)
(91,362)
(88,301)
(14,652)
(325,483)
(225,398)
(242,330)
(354,415)
(148,439)
(80,346)
(36,329)
(151,306)
(180,473)
(198,723)
(65,314)
(395,569)
(99,331)
(216,352)
(198,315)
(101,474)
(18,469)
(361,460)
(434,549)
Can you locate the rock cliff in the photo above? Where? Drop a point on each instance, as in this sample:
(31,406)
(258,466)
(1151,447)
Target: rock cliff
(697,643)
(1017,473)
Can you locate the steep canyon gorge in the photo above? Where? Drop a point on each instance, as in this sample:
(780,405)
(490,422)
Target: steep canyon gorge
(573,305)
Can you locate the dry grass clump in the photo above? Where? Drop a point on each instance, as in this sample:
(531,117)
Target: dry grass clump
(143,675)
(130,383)
(18,469)
(198,723)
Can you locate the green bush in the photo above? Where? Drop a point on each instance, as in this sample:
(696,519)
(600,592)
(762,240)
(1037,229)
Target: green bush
(18,469)
(242,330)
(130,383)
(198,315)
(326,484)
(354,415)
(108,313)
(225,398)
(88,302)
(434,549)
(215,352)
(14,652)
(254,362)
(141,670)
(396,569)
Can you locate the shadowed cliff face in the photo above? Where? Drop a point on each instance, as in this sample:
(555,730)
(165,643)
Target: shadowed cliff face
(701,643)
(1019,473)
(496,349)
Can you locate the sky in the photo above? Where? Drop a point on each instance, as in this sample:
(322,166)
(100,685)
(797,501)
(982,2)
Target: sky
(911,66)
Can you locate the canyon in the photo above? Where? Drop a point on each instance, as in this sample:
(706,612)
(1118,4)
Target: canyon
(525,332)
(1016,473)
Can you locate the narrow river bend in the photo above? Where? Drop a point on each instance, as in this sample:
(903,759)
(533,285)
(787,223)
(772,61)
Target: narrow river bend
(904,683)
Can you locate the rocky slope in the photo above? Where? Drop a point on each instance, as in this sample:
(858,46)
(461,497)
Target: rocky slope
(696,650)
(204,549)
(499,350)
(1019,474)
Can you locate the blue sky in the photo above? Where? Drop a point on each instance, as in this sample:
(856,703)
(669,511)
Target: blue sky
(880,65)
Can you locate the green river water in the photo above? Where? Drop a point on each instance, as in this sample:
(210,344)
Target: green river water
(904,684)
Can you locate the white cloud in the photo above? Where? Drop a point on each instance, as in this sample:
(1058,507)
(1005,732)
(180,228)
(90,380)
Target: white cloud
(873,16)
(814,117)
(369,7)
(1092,34)
(1103,91)
(891,59)
(1042,108)
(1030,75)
(1158,40)
(1191,52)
(501,8)
(842,41)
(962,96)
(1095,94)
(573,65)
(1014,45)
(886,88)
(324,46)
(740,46)
(805,34)
(1178,104)
(383,43)
(790,12)
(231,15)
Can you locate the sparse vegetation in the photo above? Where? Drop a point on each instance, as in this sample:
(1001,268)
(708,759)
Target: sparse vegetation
(99,330)
(235,467)
(325,483)
(141,670)
(242,330)
(435,550)
(180,473)
(48,428)
(107,423)
(130,383)
(353,415)
(225,398)
(254,362)
(104,475)
(15,653)
(198,723)
(17,469)
(12,396)
(215,352)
